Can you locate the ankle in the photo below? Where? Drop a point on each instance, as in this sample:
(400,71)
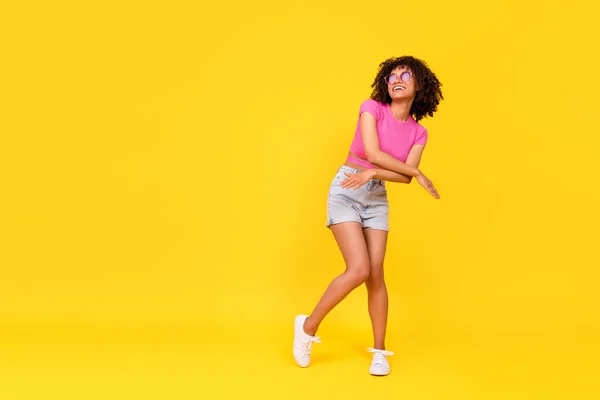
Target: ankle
(308,328)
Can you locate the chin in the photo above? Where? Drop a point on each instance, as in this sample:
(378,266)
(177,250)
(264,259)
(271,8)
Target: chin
(400,96)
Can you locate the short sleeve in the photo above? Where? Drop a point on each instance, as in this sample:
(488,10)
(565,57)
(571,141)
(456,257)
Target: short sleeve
(372,107)
(421,137)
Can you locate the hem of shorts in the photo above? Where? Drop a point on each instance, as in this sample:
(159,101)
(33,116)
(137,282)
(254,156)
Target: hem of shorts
(374,227)
(342,220)
(378,228)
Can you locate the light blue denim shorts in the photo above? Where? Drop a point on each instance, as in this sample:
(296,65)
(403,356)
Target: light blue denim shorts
(367,205)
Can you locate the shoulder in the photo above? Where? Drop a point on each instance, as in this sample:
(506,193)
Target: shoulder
(420,128)
(421,134)
(373,107)
(372,103)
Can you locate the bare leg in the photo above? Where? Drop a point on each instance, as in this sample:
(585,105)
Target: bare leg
(352,244)
(376,289)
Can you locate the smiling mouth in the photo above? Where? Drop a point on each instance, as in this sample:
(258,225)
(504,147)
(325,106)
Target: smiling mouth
(398,88)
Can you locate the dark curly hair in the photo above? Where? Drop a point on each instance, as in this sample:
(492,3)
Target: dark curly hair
(429,88)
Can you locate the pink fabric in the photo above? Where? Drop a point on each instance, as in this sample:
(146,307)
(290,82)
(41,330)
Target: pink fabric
(395,137)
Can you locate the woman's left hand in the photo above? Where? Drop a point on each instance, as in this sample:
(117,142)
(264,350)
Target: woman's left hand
(354,181)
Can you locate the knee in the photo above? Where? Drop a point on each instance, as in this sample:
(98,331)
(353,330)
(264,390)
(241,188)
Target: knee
(360,274)
(375,280)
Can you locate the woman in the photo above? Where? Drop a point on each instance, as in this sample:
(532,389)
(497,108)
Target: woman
(388,145)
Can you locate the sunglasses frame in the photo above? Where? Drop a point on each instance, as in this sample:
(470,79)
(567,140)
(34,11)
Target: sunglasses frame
(386,78)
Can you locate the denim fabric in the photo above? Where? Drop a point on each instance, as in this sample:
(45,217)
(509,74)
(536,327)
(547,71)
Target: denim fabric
(367,205)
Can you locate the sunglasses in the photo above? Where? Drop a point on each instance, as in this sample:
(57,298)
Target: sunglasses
(393,78)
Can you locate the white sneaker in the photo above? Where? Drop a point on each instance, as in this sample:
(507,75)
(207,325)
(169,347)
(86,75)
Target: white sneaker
(302,342)
(380,365)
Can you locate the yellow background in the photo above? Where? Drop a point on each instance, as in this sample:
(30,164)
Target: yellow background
(164,172)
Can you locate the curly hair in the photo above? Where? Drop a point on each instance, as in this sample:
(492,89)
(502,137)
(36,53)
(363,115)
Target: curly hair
(429,88)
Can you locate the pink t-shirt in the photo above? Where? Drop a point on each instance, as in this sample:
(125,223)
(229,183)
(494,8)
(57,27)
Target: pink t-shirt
(395,137)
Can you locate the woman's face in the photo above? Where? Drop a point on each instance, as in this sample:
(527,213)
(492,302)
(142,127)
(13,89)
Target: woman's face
(403,85)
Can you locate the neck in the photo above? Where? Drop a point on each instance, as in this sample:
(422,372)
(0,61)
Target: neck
(401,109)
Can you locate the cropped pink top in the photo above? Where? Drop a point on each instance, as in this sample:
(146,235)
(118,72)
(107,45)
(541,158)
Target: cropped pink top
(395,137)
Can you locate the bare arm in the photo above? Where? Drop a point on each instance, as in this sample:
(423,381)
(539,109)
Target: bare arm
(395,168)
(413,160)
(390,176)
(376,156)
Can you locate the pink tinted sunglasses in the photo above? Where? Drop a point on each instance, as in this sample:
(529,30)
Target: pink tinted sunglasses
(392,78)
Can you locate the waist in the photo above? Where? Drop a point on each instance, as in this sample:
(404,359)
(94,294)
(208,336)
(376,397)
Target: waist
(346,168)
(354,161)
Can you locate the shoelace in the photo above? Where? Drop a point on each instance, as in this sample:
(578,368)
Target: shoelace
(308,344)
(380,355)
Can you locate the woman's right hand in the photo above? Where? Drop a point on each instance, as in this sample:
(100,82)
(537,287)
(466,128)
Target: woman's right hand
(427,184)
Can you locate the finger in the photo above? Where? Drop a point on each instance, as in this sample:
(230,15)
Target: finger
(431,189)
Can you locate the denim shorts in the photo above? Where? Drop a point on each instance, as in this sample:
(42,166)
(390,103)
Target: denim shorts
(367,205)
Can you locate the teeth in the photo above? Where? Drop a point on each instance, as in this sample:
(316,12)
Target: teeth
(399,88)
